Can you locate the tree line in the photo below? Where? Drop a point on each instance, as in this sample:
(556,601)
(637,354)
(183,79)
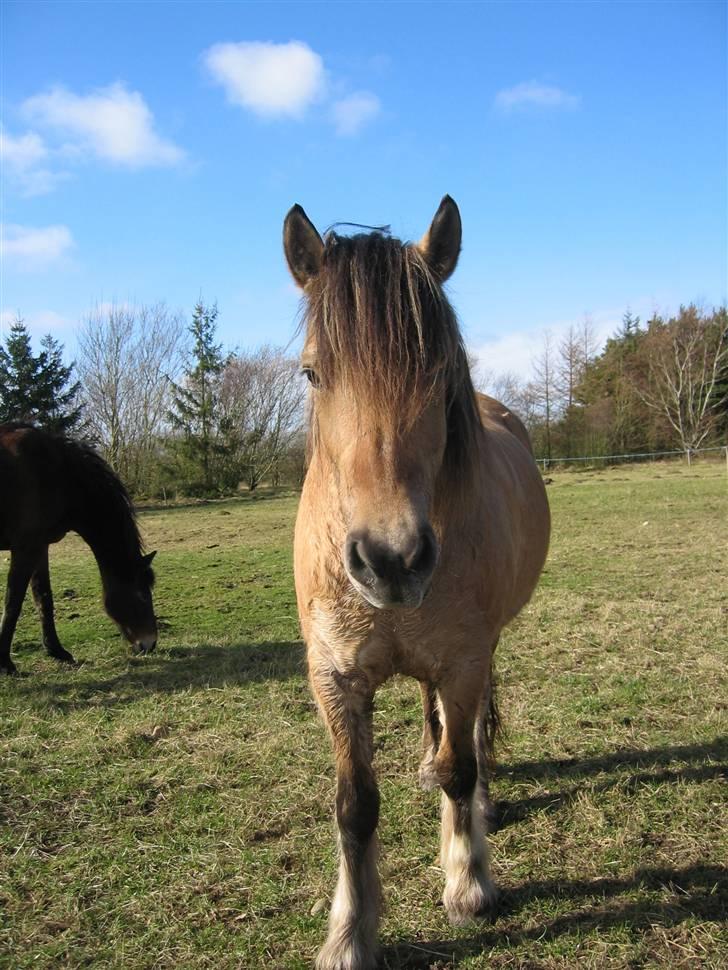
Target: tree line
(657,386)
(170,410)
(174,413)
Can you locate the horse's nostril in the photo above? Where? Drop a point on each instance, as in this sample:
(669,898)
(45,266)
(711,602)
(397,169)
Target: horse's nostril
(356,561)
(363,559)
(425,554)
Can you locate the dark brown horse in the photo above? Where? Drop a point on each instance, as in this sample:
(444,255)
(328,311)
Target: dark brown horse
(50,485)
(422,530)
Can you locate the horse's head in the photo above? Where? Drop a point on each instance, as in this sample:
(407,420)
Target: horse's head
(128,601)
(383,353)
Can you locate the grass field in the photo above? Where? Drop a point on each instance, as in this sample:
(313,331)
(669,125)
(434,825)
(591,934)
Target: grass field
(176,810)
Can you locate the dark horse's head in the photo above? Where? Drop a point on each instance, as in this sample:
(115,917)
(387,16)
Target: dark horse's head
(106,519)
(128,601)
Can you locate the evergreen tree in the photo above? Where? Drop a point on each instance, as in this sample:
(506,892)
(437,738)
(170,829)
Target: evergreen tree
(613,409)
(37,389)
(629,333)
(195,404)
(56,397)
(720,392)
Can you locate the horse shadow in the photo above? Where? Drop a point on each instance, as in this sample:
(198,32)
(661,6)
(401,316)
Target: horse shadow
(696,891)
(509,812)
(170,671)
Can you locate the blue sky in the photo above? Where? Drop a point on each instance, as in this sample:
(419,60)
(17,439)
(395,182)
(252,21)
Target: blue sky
(151,151)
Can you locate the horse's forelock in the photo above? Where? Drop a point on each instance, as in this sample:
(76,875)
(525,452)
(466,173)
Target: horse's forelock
(382,326)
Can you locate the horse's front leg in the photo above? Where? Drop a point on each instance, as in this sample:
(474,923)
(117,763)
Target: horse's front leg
(43,595)
(21,567)
(469,890)
(346,705)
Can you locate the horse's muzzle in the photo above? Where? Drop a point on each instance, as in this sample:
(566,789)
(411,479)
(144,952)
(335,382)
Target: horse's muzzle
(389,577)
(145,645)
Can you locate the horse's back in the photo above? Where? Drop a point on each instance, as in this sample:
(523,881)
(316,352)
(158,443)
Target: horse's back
(11,486)
(492,411)
(32,505)
(514,501)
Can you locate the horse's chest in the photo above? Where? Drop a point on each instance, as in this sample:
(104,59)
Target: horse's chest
(383,644)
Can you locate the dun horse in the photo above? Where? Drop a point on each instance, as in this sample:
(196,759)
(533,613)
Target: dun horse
(50,486)
(422,530)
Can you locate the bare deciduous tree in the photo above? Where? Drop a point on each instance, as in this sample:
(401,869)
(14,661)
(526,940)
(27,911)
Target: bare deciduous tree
(543,386)
(588,340)
(127,356)
(261,396)
(685,358)
(506,388)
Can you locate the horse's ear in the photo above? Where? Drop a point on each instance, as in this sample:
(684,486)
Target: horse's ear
(441,243)
(303,246)
(148,559)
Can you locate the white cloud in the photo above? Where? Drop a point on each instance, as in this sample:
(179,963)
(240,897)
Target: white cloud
(533,94)
(112,123)
(515,352)
(350,114)
(7,319)
(24,161)
(269,79)
(24,151)
(48,321)
(39,323)
(28,248)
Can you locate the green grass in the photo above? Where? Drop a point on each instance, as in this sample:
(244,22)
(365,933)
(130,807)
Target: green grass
(176,810)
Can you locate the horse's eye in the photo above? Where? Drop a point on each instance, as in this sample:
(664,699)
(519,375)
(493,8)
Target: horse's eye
(311,376)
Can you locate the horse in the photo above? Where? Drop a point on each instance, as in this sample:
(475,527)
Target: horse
(422,530)
(51,485)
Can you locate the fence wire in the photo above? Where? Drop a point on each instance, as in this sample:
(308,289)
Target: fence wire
(688,455)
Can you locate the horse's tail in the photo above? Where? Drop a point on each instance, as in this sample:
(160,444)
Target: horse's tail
(492,727)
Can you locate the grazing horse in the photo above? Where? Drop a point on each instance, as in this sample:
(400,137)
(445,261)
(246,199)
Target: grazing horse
(50,485)
(422,530)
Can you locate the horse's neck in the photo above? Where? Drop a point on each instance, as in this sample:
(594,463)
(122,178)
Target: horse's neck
(104,533)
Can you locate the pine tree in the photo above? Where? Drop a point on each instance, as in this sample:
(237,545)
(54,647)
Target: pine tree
(37,389)
(720,392)
(56,397)
(18,372)
(630,331)
(195,403)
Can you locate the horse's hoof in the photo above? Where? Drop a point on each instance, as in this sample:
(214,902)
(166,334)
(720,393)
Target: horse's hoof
(9,668)
(347,955)
(63,656)
(470,897)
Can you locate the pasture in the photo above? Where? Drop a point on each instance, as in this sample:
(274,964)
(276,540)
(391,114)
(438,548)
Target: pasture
(176,810)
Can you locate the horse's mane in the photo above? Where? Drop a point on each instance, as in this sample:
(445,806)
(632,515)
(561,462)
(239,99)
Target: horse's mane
(382,325)
(108,510)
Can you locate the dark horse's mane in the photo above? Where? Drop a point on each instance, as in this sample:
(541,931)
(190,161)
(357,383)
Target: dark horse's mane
(382,325)
(103,505)
(105,484)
